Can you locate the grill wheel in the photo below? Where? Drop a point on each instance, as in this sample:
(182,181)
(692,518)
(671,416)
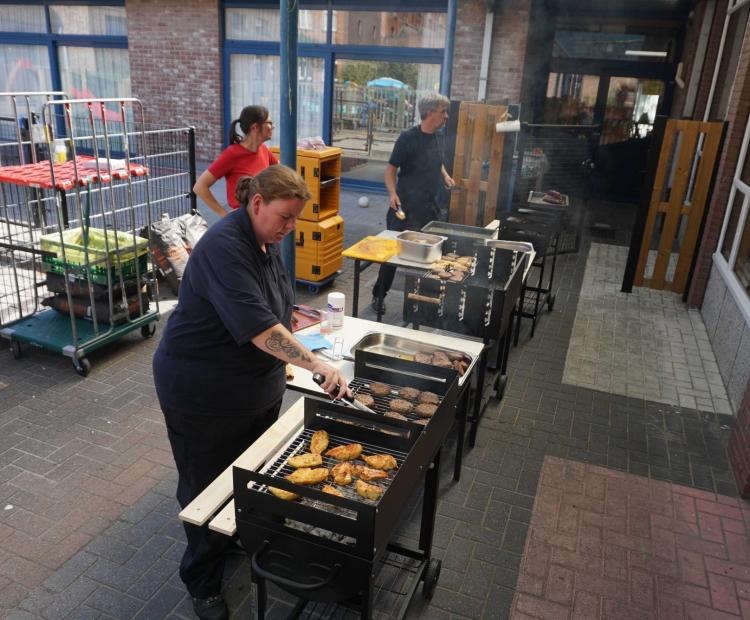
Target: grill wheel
(431,576)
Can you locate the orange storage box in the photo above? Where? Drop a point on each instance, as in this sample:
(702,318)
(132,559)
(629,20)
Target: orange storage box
(318,248)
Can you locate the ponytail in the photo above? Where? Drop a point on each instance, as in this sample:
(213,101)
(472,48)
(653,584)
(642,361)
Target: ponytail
(249,116)
(234,137)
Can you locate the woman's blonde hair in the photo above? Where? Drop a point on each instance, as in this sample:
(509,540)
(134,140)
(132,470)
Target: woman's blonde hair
(272,183)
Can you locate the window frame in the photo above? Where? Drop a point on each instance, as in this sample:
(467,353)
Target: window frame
(54,41)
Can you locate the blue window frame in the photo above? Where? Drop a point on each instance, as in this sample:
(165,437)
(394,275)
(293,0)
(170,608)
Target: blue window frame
(74,18)
(325,54)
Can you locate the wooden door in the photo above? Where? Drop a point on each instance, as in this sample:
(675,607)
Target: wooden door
(678,199)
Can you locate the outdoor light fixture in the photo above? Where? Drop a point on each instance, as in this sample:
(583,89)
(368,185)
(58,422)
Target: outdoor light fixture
(645,53)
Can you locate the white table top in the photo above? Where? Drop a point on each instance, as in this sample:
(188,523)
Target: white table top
(354,329)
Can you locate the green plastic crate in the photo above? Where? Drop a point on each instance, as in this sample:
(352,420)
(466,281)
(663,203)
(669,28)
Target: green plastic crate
(98,273)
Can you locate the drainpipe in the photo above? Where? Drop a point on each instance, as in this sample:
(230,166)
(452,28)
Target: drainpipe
(450,41)
(484,67)
(288,12)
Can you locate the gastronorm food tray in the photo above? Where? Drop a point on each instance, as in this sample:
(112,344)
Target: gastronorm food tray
(460,230)
(537,198)
(401,348)
(420,247)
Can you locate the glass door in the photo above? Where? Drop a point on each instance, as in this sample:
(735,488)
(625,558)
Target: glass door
(373,102)
(570,99)
(630,109)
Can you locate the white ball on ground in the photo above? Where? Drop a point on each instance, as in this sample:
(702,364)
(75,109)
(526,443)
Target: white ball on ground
(363,201)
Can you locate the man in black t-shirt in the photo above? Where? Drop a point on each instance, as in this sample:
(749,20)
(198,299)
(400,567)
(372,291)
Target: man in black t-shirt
(417,157)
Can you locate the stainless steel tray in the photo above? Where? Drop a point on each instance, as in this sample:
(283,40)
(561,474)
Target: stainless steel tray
(459,230)
(401,348)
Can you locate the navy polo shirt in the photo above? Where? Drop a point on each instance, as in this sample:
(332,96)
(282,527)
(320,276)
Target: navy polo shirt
(230,292)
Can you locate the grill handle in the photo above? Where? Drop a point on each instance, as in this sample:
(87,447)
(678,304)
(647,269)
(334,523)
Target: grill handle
(289,583)
(424,298)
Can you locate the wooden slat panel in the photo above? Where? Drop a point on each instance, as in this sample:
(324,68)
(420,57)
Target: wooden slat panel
(656,191)
(455,213)
(496,165)
(685,156)
(712,132)
(475,166)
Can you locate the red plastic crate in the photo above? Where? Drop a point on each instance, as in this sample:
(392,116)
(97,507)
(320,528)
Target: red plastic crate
(39,175)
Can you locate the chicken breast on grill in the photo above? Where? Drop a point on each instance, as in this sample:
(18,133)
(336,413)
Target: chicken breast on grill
(368,491)
(331,490)
(306,475)
(282,494)
(319,442)
(349,452)
(368,473)
(342,473)
(381,461)
(305,460)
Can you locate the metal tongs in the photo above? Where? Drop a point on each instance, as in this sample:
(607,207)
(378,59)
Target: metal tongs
(347,400)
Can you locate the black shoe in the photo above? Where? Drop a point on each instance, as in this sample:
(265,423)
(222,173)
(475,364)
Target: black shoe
(211,608)
(377,302)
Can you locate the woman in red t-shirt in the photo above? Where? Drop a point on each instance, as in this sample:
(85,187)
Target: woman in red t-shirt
(245,156)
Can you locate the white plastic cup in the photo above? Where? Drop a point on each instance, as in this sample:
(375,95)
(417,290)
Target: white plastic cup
(336,303)
(325,322)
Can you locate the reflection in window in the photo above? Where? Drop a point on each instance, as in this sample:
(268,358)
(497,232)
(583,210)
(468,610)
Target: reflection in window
(92,20)
(742,265)
(612,46)
(571,98)
(264,25)
(255,80)
(389,28)
(20,18)
(734,216)
(23,68)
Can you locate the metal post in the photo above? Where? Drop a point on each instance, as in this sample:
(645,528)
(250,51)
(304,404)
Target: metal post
(450,40)
(191,171)
(288,12)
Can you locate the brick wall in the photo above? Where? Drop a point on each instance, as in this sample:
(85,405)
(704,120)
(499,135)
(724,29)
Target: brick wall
(509,31)
(739,106)
(712,52)
(175,66)
(739,447)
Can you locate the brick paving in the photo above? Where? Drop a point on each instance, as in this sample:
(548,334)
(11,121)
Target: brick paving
(606,544)
(88,524)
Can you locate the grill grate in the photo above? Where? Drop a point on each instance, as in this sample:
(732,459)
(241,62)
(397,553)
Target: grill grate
(382,403)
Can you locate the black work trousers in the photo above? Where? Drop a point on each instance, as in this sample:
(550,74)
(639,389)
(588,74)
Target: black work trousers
(204,446)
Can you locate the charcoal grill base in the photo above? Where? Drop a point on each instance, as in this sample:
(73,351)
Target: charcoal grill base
(396,583)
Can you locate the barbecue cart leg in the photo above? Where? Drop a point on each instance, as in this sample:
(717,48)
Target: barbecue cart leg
(260,593)
(462,410)
(478,398)
(429,506)
(550,295)
(366,608)
(355,293)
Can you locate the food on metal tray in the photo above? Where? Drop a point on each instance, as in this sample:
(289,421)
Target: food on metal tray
(454,355)
(319,441)
(394,415)
(425,410)
(365,399)
(423,358)
(305,460)
(381,461)
(306,475)
(457,277)
(400,405)
(441,362)
(409,392)
(331,490)
(368,473)
(460,366)
(429,397)
(349,452)
(282,494)
(342,473)
(444,275)
(368,491)
(380,389)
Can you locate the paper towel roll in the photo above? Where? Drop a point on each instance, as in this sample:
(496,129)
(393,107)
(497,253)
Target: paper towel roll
(508,126)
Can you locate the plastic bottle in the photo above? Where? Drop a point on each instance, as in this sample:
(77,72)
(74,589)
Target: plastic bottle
(336,303)
(61,151)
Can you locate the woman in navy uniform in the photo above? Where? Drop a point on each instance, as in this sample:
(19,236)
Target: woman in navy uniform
(219,369)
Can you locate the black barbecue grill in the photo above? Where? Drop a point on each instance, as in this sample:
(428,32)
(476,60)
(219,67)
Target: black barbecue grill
(482,305)
(330,549)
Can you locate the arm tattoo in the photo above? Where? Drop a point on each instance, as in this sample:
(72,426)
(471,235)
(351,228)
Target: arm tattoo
(278,343)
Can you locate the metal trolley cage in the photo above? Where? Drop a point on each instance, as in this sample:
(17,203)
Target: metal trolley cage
(80,183)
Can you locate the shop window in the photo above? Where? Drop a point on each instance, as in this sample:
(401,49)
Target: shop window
(23,68)
(21,18)
(732,218)
(597,42)
(263,89)
(90,20)
(264,25)
(742,262)
(391,28)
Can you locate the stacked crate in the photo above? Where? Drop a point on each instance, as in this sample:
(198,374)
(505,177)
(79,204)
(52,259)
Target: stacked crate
(319,237)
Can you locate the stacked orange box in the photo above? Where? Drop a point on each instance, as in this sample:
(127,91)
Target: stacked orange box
(319,237)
